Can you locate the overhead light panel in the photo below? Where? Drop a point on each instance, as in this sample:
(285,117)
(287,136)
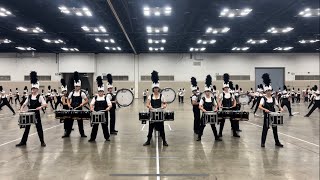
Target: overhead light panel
(157,30)
(84,11)
(30,30)
(223,30)
(70,49)
(157,11)
(100,29)
(25,48)
(235,12)
(113,48)
(4,12)
(157,41)
(283,48)
(156,49)
(200,49)
(103,40)
(257,41)
(240,48)
(307,12)
(310,41)
(204,42)
(274,30)
(5,41)
(53,41)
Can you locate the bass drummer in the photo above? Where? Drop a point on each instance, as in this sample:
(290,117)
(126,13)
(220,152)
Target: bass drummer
(156,100)
(206,104)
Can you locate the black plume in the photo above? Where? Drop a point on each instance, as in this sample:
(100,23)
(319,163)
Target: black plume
(33,77)
(99,81)
(154,77)
(10,90)
(266,79)
(76,76)
(261,86)
(1,88)
(49,87)
(315,87)
(237,86)
(208,80)
(214,87)
(17,89)
(109,78)
(25,88)
(226,78)
(42,90)
(231,85)
(194,82)
(63,82)
(284,87)
(54,90)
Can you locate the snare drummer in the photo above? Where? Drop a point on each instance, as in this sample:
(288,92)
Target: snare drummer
(156,100)
(206,104)
(267,104)
(64,100)
(316,99)
(99,103)
(4,100)
(195,105)
(35,102)
(113,100)
(75,101)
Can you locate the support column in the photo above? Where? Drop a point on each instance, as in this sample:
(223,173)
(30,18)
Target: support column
(136,76)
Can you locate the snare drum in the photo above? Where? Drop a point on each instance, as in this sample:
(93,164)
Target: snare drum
(169,116)
(27,118)
(144,116)
(156,115)
(62,114)
(276,119)
(241,115)
(98,117)
(210,117)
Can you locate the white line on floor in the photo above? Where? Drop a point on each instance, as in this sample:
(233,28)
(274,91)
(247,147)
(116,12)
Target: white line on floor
(30,135)
(142,127)
(287,135)
(169,127)
(157,155)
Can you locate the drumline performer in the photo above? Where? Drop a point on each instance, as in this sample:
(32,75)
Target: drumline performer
(260,95)
(10,97)
(156,100)
(58,99)
(113,100)
(195,99)
(293,95)
(206,104)
(285,100)
(311,95)
(35,102)
(76,100)
(144,94)
(267,104)
(255,97)
(316,99)
(99,103)
(49,96)
(227,101)
(64,100)
(24,96)
(298,96)
(4,100)
(17,96)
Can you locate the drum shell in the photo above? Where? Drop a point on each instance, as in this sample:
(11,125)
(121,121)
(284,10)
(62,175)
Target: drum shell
(156,115)
(144,116)
(98,117)
(276,119)
(27,118)
(210,117)
(241,115)
(169,116)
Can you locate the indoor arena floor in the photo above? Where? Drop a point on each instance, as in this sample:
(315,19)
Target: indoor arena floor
(124,157)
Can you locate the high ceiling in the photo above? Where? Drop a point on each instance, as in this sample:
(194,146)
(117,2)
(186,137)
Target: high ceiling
(187,23)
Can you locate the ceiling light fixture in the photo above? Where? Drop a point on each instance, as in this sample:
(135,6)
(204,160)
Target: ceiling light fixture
(257,41)
(4,12)
(211,30)
(31,30)
(201,41)
(240,48)
(307,12)
(100,29)
(75,11)
(25,48)
(274,30)
(235,12)
(157,30)
(283,48)
(157,11)
(201,49)
(70,49)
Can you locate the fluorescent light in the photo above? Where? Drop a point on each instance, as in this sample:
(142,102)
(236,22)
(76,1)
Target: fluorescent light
(235,12)
(282,48)
(274,30)
(197,49)
(70,49)
(149,29)
(156,48)
(240,48)
(26,48)
(84,11)
(107,48)
(257,41)
(217,30)
(113,48)
(165,28)
(199,41)
(98,39)
(4,12)
(119,48)
(46,40)
(33,30)
(79,13)
(150,41)
(157,11)
(85,28)
(111,40)
(307,12)
(311,41)
(100,29)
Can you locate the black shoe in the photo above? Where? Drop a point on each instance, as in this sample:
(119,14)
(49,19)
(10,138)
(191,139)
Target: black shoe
(107,139)
(43,144)
(14,113)
(91,140)
(220,135)
(199,139)
(147,143)
(290,115)
(236,135)
(83,135)
(279,144)
(306,116)
(262,145)
(114,133)
(165,143)
(65,136)
(21,144)
(239,130)
(218,139)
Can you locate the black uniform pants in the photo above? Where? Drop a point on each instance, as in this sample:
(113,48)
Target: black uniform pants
(158,126)
(50,100)
(112,119)
(144,98)
(104,129)
(214,130)
(298,98)
(306,99)
(196,119)
(314,107)
(182,98)
(292,97)
(39,130)
(254,102)
(11,100)
(17,99)
(311,102)
(234,126)
(69,123)
(57,103)
(8,105)
(265,131)
(287,104)
(258,102)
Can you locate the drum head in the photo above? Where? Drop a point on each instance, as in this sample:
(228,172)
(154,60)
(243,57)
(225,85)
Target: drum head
(124,97)
(244,99)
(169,94)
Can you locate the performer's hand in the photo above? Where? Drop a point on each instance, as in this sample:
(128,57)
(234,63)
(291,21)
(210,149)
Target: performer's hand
(216,109)
(267,111)
(38,108)
(69,106)
(91,109)
(108,109)
(281,110)
(204,110)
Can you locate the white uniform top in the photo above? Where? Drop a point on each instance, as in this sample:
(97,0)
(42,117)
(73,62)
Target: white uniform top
(285,95)
(4,96)
(208,100)
(194,97)
(34,97)
(226,95)
(10,94)
(154,98)
(109,96)
(17,93)
(93,101)
(317,97)
(269,100)
(144,93)
(182,92)
(77,93)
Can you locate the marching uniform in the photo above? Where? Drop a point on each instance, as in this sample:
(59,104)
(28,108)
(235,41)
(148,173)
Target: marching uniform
(298,95)
(58,97)
(195,99)
(316,98)
(268,103)
(4,100)
(181,95)
(33,102)
(144,94)
(17,97)
(260,95)
(10,97)
(285,100)
(24,96)
(293,94)
(112,98)
(49,97)
(256,95)
(100,103)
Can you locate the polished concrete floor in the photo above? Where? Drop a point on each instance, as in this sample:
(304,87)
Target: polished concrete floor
(124,157)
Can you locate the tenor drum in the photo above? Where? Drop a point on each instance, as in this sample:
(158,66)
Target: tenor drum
(169,116)
(144,116)
(98,117)
(27,118)
(210,117)
(80,114)
(241,115)
(62,114)
(156,115)
(276,118)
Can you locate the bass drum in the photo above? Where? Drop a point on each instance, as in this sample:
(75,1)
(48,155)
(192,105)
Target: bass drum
(124,97)
(169,94)
(244,99)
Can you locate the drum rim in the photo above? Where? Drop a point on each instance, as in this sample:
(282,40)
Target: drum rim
(175,95)
(126,90)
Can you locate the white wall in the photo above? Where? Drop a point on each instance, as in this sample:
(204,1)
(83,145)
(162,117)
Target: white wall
(69,63)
